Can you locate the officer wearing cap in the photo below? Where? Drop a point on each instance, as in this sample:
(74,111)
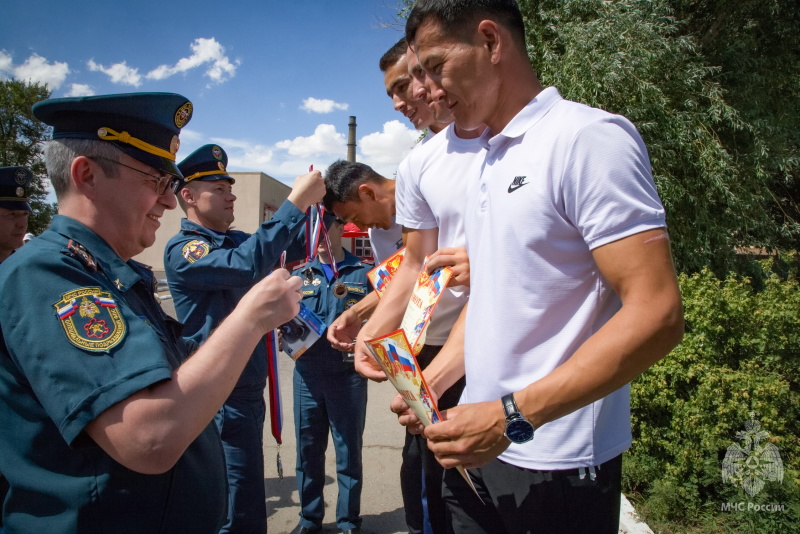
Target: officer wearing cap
(110,431)
(14,208)
(329,395)
(209,267)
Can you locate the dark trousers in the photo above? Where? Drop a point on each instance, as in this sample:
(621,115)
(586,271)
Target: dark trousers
(3,490)
(420,464)
(335,402)
(520,500)
(241,424)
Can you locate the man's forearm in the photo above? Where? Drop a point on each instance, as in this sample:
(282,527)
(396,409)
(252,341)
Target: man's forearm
(365,307)
(149,431)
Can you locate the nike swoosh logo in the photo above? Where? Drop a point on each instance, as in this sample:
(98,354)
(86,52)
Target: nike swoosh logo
(518,182)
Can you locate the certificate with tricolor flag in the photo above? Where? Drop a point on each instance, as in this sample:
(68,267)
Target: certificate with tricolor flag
(381,274)
(424,298)
(393,353)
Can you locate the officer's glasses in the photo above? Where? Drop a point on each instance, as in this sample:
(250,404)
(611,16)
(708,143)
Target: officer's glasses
(161,183)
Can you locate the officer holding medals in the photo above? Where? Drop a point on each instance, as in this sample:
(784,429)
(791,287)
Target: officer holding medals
(328,392)
(209,267)
(107,424)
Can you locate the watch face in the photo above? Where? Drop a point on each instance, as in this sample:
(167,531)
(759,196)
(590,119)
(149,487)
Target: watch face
(519,431)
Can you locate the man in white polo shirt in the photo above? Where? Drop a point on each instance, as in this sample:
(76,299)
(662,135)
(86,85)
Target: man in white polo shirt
(357,194)
(573,292)
(429,196)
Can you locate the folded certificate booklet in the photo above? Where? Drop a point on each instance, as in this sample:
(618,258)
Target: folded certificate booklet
(427,291)
(301,332)
(393,353)
(381,274)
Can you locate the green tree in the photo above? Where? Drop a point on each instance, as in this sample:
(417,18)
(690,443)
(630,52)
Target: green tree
(636,58)
(756,45)
(21,137)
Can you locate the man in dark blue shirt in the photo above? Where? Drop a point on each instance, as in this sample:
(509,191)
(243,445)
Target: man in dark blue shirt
(328,392)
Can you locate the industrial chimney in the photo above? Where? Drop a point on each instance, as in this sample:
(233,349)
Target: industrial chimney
(351,140)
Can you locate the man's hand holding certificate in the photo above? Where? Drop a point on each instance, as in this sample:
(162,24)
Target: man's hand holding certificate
(396,351)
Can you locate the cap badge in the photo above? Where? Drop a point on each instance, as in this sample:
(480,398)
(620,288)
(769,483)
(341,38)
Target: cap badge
(20,176)
(20,192)
(183,115)
(217,153)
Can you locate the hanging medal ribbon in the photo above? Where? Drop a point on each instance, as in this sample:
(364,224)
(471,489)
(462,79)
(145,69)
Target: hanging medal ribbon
(339,290)
(275,408)
(314,227)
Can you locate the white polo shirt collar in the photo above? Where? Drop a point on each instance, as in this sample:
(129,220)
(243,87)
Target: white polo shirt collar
(523,121)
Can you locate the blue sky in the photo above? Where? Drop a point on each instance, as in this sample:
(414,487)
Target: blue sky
(273,83)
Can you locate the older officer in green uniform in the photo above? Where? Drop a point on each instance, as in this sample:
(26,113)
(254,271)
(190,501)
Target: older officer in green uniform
(209,268)
(105,430)
(14,209)
(328,392)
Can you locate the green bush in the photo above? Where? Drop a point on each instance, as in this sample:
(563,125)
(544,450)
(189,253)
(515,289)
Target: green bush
(740,356)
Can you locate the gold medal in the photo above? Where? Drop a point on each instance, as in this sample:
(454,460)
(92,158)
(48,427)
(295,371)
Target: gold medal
(339,290)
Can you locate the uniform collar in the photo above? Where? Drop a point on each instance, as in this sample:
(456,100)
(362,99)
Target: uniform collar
(120,273)
(350,260)
(523,121)
(216,238)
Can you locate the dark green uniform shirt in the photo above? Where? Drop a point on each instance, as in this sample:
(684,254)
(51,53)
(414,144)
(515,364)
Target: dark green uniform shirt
(80,331)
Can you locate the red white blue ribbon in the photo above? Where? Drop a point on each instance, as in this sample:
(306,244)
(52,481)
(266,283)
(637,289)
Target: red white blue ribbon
(275,408)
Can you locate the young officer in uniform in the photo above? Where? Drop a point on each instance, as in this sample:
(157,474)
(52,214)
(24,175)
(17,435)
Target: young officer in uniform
(14,209)
(209,268)
(328,393)
(110,431)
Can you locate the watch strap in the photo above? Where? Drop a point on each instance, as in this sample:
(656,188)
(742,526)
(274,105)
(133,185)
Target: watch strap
(510,406)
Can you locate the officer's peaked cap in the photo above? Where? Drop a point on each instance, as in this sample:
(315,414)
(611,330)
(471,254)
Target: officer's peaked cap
(208,164)
(143,125)
(14,188)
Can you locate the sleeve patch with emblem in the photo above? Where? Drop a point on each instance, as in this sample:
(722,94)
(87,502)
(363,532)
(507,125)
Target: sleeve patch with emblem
(91,319)
(194,250)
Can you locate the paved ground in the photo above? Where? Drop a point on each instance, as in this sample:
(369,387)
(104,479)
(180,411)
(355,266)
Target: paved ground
(381,502)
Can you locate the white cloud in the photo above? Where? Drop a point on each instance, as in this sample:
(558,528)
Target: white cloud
(189,135)
(325,140)
(246,156)
(36,69)
(287,159)
(118,73)
(5,62)
(204,52)
(316,105)
(383,151)
(80,89)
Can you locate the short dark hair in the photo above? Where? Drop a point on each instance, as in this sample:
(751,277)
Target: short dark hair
(458,17)
(342,180)
(393,55)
